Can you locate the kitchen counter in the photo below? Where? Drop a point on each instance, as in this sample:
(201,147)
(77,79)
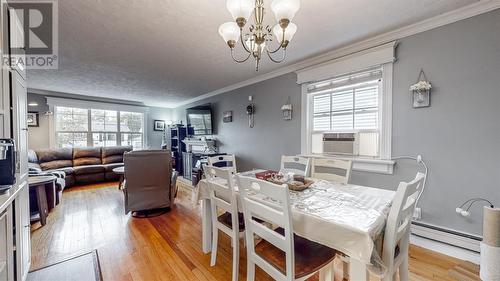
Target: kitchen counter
(9,196)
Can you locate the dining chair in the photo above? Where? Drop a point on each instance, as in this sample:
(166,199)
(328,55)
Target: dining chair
(296,164)
(280,253)
(397,229)
(228,161)
(223,197)
(330,169)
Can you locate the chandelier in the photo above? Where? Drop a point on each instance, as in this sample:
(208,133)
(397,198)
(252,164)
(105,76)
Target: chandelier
(257,41)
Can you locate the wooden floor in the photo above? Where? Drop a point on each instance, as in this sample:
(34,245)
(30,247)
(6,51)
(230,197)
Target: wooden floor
(167,247)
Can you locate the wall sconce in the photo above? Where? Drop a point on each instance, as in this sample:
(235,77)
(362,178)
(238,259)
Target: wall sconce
(421,91)
(287,109)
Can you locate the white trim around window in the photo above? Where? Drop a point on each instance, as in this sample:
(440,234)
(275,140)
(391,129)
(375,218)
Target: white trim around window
(54,102)
(381,56)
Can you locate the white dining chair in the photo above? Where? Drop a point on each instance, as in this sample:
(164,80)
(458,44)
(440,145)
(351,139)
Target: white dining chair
(280,253)
(296,164)
(223,197)
(330,169)
(227,161)
(398,227)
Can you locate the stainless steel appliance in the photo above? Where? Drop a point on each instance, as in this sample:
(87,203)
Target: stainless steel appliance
(7,164)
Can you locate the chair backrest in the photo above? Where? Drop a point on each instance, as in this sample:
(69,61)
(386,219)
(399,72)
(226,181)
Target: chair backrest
(397,229)
(222,194)
(296,164)
(228,161)
(270,203)
(330,169)
(148,179)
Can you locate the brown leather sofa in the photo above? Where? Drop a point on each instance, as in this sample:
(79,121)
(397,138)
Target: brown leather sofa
(83,165)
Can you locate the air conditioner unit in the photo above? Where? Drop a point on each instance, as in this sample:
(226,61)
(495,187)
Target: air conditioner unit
(341,143)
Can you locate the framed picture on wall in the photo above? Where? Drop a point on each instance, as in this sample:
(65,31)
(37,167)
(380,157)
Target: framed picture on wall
(159,125)
(227,116)
(32,119)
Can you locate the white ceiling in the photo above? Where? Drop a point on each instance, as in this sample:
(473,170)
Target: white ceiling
(164,52)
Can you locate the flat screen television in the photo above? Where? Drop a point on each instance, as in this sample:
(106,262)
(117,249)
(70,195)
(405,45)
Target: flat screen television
(200,119)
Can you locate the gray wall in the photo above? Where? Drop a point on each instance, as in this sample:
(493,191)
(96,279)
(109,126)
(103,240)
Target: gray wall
(271,137)
(38,137)
(458,136)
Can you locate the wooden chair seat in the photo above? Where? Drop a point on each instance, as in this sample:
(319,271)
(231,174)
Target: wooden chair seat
(227,221)
(309,256)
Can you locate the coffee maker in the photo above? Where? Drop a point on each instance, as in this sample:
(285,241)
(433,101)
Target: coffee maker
(7,164)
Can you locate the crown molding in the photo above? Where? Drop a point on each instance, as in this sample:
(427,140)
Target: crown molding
(481,7)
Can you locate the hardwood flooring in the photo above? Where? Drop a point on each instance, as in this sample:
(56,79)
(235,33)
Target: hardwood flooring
(167,247)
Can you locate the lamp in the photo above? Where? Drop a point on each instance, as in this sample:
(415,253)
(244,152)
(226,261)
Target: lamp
(240,9)
(285,10)
(289,33)
(230,32)
(254,42)
(465,212)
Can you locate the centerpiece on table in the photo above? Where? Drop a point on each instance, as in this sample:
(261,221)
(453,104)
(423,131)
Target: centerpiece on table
(294,182)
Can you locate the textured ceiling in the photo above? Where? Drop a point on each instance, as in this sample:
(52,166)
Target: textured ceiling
(161,52)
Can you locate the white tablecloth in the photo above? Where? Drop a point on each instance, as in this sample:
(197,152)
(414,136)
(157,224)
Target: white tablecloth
(348,218)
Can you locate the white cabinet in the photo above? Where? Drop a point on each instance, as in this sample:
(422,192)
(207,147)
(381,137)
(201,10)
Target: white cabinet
(6,245)
(17,46)
(23,243)
(15,246)
(19,123)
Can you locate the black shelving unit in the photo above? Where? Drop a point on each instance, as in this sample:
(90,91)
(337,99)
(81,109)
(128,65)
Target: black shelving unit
(177,134)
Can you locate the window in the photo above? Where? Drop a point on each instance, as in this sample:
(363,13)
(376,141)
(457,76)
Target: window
(71,126)
(347,104)
(131,128)
(98,127)
(104,124)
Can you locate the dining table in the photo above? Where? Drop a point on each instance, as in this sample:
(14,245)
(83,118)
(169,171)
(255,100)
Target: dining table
(346,217)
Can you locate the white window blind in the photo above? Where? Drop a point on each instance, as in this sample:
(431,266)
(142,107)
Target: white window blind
(346,104)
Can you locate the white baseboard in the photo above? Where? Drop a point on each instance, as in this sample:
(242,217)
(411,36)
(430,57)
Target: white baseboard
(447,243)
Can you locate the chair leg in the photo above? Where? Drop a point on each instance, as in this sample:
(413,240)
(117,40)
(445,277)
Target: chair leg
(389,275)
(215,238)
(250,271)
(404,270)
(236,257)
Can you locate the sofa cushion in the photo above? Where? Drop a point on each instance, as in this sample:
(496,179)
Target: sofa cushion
(66,170)
(113,159)
(86,161)
(54,154)
(83,152)
(114,154)
(110,167)
(56,164)
(83,156)
(89,169)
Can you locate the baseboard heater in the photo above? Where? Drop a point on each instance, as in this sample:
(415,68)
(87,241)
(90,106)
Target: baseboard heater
(447,236)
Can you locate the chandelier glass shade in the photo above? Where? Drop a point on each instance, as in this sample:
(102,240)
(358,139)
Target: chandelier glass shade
(259,37)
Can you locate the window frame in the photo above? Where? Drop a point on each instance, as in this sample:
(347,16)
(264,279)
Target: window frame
(89,105)
(382,164)
(332,112)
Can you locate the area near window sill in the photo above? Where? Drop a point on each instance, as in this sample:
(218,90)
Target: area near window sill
(380,166)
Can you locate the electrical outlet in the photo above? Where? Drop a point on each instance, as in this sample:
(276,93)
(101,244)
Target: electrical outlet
(417,214)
